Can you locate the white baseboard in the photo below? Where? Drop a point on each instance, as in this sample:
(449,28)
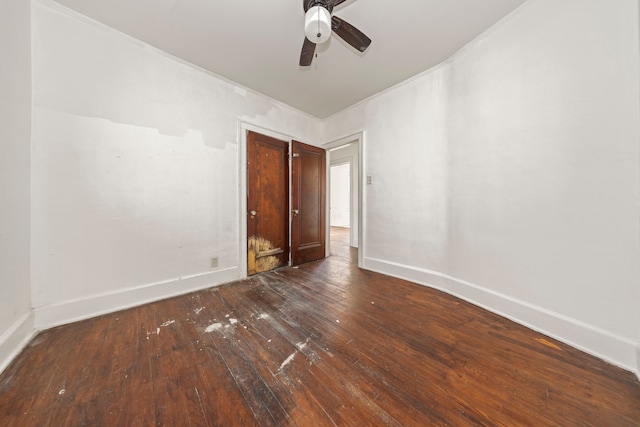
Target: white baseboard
(638,362)
(96,305)
(14,339)
(617,350)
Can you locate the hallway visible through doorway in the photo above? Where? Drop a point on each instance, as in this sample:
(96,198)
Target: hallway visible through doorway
(340,199)
(340,244)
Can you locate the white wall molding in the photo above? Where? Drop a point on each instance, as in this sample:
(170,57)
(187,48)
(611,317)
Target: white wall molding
(72,311)
(14,339)
(614,349)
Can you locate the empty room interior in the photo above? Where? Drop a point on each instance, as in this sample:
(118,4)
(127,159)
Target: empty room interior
(320,212)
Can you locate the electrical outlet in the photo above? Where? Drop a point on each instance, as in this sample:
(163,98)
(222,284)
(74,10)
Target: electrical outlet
(214,262)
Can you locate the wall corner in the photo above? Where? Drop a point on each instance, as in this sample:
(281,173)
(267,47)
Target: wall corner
(16,338)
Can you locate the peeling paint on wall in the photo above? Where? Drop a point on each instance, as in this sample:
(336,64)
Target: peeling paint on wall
(159,139)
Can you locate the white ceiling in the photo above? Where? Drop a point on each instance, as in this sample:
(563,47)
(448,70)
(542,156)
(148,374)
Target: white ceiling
(257,43)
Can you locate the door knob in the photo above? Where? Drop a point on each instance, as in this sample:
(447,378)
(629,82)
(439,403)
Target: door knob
(253,213)
(295,211)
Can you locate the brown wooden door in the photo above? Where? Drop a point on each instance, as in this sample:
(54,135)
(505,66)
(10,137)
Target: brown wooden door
(308,193)
(267,203)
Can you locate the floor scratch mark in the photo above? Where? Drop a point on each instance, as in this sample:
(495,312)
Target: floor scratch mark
(201,406)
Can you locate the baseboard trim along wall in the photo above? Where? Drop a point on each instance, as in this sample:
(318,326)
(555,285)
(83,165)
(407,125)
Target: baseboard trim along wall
(14,339)
(638,362)
(96,305)
(609,347)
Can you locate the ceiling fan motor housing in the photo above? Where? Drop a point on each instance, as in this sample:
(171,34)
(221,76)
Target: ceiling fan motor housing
(317,24)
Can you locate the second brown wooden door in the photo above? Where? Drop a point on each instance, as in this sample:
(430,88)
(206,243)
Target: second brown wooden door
(308,194)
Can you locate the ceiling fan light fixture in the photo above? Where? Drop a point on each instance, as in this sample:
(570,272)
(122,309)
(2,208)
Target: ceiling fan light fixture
(317,24)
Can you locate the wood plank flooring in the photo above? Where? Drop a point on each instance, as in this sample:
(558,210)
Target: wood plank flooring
(324,344)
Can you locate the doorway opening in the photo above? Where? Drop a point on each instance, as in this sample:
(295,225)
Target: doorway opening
(340,201)
(340,209)
(345,197)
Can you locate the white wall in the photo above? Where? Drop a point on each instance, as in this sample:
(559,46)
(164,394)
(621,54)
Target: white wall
(545,175)
(405,155)
(135,169)
(16,324)
(510,175)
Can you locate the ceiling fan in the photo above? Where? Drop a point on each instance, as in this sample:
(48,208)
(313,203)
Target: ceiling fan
(319,23)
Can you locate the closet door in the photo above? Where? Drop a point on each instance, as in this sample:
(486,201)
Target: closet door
(267,203)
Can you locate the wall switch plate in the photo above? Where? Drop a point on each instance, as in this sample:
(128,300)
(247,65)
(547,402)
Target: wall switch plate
(214,262)
(369,179)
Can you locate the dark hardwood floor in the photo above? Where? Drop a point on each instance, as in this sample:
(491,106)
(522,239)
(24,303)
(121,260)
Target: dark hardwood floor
(320,345)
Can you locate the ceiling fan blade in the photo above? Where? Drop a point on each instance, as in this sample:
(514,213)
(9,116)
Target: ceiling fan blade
(350,34)
(308,49)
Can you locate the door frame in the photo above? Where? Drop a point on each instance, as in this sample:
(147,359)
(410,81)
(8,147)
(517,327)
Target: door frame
(243,130)
(358,138)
